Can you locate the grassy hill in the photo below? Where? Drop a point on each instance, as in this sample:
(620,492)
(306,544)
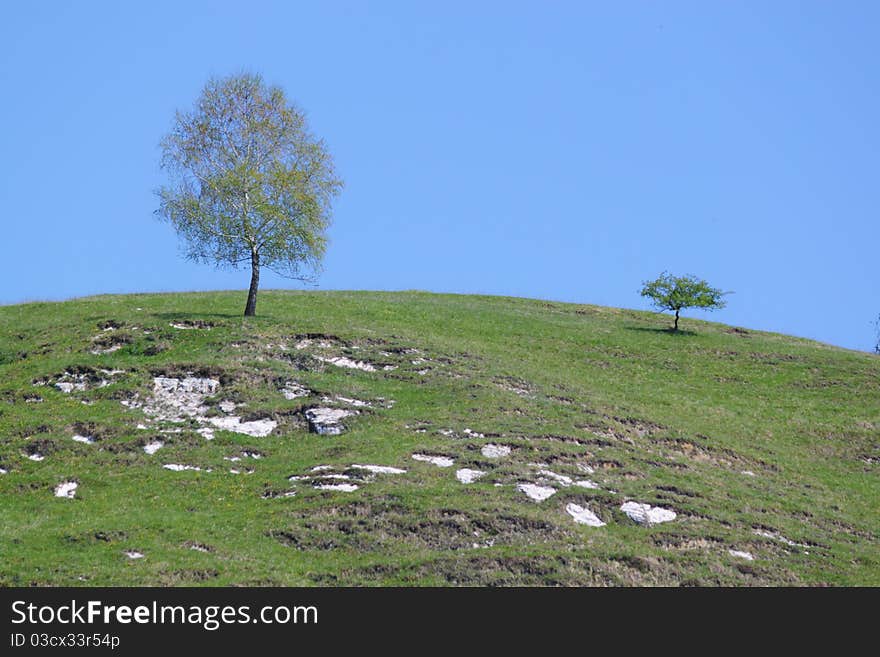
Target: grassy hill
(765,447)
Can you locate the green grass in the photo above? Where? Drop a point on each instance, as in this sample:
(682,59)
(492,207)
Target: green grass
(671,420)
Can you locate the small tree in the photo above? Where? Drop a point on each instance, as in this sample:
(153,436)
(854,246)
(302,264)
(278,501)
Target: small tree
(249,182)
(675,293)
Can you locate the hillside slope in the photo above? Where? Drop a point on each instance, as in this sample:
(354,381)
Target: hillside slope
(412,438)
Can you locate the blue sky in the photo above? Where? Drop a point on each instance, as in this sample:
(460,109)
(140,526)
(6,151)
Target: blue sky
(558,150)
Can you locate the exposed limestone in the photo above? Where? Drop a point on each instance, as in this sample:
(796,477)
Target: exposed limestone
(583,516)
(66,489)
(439,461)
(347,488)
(491,451)
(776,536)
(134,554)
(176,400)
(73,381)
(536,492)
(645,514)
(293,390)
(88,440)
(271,495)
(255,428)
(153,447)
(176,467)
(741,554)
(379,469)
(468,476)
(98,351)
(327,421)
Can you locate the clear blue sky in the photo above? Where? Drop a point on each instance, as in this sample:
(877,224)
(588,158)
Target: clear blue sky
(558,150)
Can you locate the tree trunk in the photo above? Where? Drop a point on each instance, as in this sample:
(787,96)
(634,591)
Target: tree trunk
(674,328)
(251,308)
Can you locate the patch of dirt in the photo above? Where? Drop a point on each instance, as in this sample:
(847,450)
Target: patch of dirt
(694,452)
(364,526)
(110,325)
(181,577)
(515,385)
(98,536)
(641,428)
(679,491)
(108,343)
(688,543)
(42,447)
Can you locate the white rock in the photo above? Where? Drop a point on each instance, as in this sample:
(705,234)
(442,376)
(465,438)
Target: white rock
(439,461)
(134,554)
(468,476)
(343,361)
(586,483)
(357,403)
(583,516)
(379,469)
(293,390)
(187,327)
(473,434)
(227,406)
(66,489)
(778,537)
(748,473)
(319,468)
(36,457)
(327,421)
(206,432)
(153,447)
(175,400)
(645,514)
(347,488)
(108,350)
(558,478)
(176,467)
(88,440)
(741,554)
(256,428)
(4,471)
(491,451)
(586,469)
(269,495)
(536,492)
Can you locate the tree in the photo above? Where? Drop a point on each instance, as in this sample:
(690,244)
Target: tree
(249,182)
(675,293)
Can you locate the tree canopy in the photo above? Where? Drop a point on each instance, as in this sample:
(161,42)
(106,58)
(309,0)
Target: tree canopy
(674,293)
(249,183)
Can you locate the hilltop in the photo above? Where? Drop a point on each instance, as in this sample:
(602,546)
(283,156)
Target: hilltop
(410,438)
